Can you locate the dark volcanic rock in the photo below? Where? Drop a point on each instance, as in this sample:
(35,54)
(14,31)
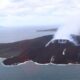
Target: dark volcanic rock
(59,52)
(35,49)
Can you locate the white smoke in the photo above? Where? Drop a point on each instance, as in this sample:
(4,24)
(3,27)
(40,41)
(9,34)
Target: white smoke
(70,26)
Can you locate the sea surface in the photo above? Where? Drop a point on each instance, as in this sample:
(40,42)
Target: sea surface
(32,71)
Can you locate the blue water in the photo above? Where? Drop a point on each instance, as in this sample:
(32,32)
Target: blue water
(31,71)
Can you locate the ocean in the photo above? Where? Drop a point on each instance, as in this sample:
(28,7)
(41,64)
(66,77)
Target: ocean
(31,71)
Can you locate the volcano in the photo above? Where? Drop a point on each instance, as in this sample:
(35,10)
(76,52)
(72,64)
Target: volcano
(60,52)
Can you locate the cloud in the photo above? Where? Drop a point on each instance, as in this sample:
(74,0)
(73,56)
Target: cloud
(36,11)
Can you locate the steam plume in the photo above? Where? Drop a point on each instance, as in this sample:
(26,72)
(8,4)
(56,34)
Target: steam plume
(70,26)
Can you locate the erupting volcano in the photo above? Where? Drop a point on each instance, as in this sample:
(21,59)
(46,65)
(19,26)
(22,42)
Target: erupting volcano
(62,51)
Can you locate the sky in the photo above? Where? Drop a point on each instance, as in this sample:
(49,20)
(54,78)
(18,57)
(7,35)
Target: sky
(19,18)
(36,12)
